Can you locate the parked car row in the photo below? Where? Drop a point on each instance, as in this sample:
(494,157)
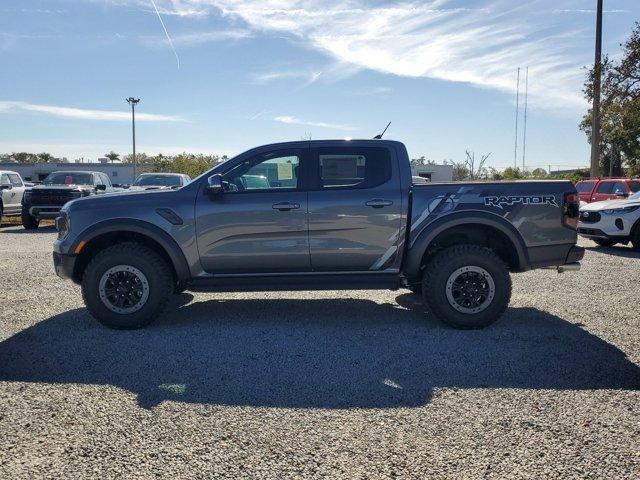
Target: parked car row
(44,201)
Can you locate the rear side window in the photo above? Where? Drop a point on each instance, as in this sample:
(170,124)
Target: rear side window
(584,187)
(619,187)
(15,180)
(605,187)
(105,179)
(634,186)
(353,167)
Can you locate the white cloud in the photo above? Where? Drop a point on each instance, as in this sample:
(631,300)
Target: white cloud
(85,114)
(197,38)
(288,119)
(309,77)
(481,46)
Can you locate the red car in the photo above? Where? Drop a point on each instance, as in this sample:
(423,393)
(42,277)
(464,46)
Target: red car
(596,190)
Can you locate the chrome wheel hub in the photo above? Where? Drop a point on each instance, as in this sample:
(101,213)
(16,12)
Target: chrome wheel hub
(470,289)
(123,289)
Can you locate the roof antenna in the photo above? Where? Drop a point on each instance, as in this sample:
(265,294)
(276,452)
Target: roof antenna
(378,137)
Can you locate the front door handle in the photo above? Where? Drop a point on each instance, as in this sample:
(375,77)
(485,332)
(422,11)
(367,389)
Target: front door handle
(378,203)
(285,206)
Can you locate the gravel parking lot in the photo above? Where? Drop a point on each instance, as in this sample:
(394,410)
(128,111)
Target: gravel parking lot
(348,384)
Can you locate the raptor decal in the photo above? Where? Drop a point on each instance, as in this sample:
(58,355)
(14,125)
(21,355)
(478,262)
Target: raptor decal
(509,201)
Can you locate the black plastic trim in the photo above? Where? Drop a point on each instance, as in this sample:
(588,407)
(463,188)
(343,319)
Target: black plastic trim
(299,282)
(165,240)
(416,250)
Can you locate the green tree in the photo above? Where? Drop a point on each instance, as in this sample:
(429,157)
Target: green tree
(113,156)
(24,157)
(141,158)
(511,173)
(539,173)
(422,161)
(620,109)
(45,157)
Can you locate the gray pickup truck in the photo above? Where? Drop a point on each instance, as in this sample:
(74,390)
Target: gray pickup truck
(307,215)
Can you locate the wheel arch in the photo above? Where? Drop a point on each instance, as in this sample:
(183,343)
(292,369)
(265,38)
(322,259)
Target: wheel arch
(110,232)
(477,228)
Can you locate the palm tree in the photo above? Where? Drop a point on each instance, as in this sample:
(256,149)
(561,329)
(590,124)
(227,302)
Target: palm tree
(113,156)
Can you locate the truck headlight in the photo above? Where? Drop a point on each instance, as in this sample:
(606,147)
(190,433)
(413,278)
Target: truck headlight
(63,224)
(618,211)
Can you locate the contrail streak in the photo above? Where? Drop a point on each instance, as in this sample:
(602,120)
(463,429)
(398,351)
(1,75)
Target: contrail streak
(166,33)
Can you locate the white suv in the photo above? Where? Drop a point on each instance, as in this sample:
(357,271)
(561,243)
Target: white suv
(612,221)
(11,192)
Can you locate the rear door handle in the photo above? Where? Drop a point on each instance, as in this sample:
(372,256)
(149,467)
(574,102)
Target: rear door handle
(378,203)
(285,206)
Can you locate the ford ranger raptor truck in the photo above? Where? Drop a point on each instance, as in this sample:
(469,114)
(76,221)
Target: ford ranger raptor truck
(307,215)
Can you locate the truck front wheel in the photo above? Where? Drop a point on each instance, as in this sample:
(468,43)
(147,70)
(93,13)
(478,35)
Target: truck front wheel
(467,286)
(29,221)
(126,286)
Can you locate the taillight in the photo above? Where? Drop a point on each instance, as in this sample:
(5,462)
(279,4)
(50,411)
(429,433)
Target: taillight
(571,210)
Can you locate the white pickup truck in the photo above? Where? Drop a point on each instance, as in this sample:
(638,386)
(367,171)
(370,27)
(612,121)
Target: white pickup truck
(11,192)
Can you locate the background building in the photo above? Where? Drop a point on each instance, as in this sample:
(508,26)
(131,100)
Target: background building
(435,173)
(119,173)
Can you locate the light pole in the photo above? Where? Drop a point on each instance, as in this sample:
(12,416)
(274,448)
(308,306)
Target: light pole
(595,112)
(133,101)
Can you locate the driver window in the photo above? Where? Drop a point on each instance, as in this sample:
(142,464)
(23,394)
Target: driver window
(4,179)
(270,171)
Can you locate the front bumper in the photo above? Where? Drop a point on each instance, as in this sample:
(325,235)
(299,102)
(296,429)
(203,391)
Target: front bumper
(64,265)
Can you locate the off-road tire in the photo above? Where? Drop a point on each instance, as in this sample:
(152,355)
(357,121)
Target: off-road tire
(604,242)
(29,222)
(635,239)
(444,264)
(156,271)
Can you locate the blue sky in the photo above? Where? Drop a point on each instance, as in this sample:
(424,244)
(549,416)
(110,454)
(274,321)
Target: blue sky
(247,72)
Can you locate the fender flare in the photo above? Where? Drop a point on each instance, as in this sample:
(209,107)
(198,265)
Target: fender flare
(147,229)
(419,246)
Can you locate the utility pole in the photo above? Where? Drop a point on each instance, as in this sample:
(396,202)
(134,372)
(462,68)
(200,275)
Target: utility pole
(133,101)
(515,152)
(595,112)
(524,136)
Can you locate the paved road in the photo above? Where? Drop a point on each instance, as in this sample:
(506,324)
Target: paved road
(321,384)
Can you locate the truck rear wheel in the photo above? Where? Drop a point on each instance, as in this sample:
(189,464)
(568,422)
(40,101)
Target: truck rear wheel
(126,286)
(467,286)
(29,222)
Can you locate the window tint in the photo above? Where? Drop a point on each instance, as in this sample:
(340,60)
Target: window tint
(15,180)
(634,186)
(68,178)
(605,187)
(271,171)
(353,167)
(4,179)
(105,179)
(618,187)
(584,187)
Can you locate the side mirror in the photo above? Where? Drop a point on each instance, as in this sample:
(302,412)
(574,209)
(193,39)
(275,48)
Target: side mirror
(620,193)
(214,185)
(6,186)
(101,187)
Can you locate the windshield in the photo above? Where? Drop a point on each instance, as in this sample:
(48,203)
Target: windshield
(68,178)
(158,180)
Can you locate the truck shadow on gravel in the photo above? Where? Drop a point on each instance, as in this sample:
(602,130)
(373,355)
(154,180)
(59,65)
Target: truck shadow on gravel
(316,353)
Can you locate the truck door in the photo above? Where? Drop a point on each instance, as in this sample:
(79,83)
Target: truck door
(259,223)
(604,191)
(354,208)
(12,192)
